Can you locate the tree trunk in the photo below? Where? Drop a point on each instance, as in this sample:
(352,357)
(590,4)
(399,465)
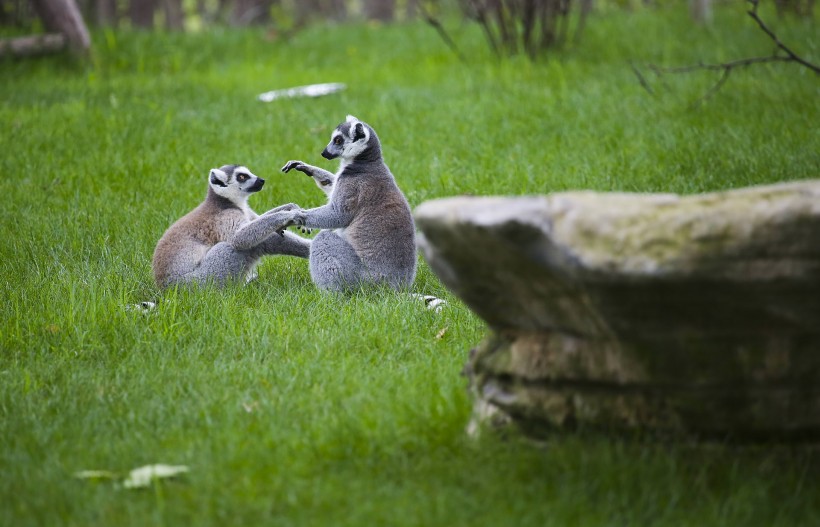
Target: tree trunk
(412,9)
(701,10)
(337,10)
(174,17)
(202,9)
(106,13)
(34,45)
(63,16)
(142,13)
(248,12)
(381,10)
(306,10)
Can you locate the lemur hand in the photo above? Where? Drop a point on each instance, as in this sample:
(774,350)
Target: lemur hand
(288,218)
(288,207)
(299,166)
(284,208)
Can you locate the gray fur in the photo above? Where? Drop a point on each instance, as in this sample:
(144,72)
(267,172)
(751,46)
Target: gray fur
(373,238)
(219,240)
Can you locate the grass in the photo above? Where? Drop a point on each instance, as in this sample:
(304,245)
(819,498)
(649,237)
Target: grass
(296,408)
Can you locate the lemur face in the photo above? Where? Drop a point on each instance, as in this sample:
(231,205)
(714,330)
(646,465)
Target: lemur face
(348,140)
(234,182)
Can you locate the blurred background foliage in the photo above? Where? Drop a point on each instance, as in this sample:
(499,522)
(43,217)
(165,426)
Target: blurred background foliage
(509,25)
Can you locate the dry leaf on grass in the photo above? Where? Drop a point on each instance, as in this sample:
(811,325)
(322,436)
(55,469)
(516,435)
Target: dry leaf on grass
(312,90)
(143,476)
(139,477)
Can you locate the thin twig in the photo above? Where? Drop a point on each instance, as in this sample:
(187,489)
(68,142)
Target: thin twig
(641,78)
(726,68)
(481,14)
(430,19)
(715,87)
(776,40)
(719,67)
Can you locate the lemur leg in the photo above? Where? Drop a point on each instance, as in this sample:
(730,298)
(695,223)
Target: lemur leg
(334,265)
(323,179)
(221,264)
(289,244)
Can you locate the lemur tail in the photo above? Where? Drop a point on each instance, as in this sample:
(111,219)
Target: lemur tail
(433,303)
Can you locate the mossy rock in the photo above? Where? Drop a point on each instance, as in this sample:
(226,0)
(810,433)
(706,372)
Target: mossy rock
(696,314)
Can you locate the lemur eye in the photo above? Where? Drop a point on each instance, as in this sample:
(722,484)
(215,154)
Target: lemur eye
(242,178)
(338,140)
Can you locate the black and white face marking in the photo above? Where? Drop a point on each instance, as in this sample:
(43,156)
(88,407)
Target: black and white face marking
(348,140)
(234,182)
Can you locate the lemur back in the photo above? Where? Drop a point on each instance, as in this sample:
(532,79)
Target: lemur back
(381,230)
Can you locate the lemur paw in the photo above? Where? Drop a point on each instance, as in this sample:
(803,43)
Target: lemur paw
(283,208)
(291,218)
(295,165)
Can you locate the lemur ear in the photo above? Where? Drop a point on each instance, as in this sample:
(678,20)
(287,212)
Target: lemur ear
(358,132)
(351,119)
(218,177)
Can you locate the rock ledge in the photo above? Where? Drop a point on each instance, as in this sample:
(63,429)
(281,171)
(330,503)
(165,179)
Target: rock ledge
(687,314)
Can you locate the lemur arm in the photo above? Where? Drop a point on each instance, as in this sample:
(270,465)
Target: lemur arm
(330,216)
(323,179)
(255,232)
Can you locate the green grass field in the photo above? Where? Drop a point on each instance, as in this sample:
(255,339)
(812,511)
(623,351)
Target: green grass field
(293,407)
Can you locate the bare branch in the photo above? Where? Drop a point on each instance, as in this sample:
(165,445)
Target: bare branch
(715,87)
(726,68)
(792,55)
(430,19)
(641,78)
(719,67)
(33,45)
(481,15)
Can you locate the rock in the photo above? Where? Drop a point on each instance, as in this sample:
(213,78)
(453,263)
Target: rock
(695,314)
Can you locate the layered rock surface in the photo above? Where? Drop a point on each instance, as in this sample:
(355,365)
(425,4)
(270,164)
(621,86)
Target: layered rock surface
(686,314)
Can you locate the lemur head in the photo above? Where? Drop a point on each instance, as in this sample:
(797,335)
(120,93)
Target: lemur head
(234,182)
(352,139)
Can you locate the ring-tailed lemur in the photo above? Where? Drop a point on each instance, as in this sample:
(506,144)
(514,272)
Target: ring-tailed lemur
(370,235)
(220,240)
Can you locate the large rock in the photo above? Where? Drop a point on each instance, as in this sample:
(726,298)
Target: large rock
(625,311)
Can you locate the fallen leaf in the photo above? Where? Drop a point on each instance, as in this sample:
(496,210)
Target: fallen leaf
(312,90)
(441,333)
(143,476)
